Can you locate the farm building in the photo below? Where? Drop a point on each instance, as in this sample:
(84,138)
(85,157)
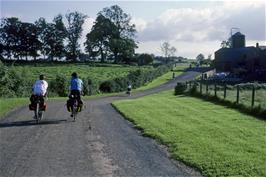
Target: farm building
(238,56)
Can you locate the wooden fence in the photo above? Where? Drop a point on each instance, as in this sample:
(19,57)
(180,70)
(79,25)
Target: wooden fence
(246,94)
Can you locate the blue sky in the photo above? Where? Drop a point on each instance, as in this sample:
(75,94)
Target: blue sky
(192,27)
(29,10)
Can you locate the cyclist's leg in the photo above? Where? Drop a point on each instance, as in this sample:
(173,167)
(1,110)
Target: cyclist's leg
(80,103)
(43,106)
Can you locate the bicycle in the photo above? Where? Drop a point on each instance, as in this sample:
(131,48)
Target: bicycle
(74,107)
(38,111)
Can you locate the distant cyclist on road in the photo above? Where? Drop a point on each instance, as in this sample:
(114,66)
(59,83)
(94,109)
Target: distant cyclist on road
(39,89)
(76,88)
(129,87)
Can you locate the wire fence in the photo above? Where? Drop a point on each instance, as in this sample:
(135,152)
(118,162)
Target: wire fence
(250,94)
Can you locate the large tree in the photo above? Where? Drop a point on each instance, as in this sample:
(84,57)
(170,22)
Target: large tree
(75,20)
(29,43)
(9,36)
(123,33)
(19,39)
(52,36)
(97,41)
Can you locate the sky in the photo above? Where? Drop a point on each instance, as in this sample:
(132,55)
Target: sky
(192,27)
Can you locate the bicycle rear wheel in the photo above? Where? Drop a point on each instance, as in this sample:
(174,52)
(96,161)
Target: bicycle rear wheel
(37,112)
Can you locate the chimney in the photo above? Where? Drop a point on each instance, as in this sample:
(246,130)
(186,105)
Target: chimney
(257,45)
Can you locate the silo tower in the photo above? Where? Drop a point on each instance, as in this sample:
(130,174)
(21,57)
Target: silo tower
(237,39)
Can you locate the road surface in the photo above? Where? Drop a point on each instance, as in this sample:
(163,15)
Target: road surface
(100,143)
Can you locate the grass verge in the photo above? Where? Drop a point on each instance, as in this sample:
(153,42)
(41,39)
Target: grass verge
(8,104)
(216,140)
(163,79)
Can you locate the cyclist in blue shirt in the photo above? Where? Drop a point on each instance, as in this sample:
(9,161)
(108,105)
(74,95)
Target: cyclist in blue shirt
(76,88)
(76,84)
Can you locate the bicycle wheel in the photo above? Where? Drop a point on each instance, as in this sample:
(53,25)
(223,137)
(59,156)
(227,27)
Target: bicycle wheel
(37,112)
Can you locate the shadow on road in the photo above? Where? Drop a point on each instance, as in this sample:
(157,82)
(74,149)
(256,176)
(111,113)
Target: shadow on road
(30,123)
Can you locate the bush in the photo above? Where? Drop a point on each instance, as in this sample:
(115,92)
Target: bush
(121,83)
(107,86)
(193,89)
(180,88)
(59,86)
(14,83)
(90,87)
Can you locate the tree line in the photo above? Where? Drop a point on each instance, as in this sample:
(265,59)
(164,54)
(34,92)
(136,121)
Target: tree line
(112,37)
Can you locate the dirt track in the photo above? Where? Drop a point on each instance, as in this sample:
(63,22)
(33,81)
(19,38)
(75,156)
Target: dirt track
(100,143)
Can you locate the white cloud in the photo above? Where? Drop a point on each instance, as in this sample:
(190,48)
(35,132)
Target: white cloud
(141,24)
(201,30)
(206,23)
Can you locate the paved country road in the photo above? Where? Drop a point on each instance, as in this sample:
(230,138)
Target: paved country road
(100,143)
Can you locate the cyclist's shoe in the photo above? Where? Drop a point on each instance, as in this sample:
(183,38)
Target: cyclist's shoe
(71,115)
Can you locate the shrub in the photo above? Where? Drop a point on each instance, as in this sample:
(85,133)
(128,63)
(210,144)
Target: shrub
(107,86)
(13,83)
(59,86)
(193,89)
(91,86)
(121,83)
(180,88)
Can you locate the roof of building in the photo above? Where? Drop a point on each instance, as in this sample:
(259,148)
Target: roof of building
(238,34)
(240,49)
(230,54)
(262,47)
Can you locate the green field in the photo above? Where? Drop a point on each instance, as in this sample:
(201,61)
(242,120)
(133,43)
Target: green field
(216,140)
(99,73)
(179,69)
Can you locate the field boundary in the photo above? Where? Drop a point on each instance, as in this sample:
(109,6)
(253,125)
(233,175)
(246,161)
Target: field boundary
(195,89)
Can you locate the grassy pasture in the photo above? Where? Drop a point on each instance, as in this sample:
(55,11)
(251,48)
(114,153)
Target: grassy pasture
(99,73)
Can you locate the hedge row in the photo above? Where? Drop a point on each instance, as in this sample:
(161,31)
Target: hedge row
(18,84)
(14,83)
(135,78)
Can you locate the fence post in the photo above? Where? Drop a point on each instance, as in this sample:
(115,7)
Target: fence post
(201,87)
(224,91)
(189,85)
(207,88)
(253,96)
(215,90)
(237,94)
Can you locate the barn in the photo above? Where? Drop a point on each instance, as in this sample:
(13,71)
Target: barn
(238,56)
